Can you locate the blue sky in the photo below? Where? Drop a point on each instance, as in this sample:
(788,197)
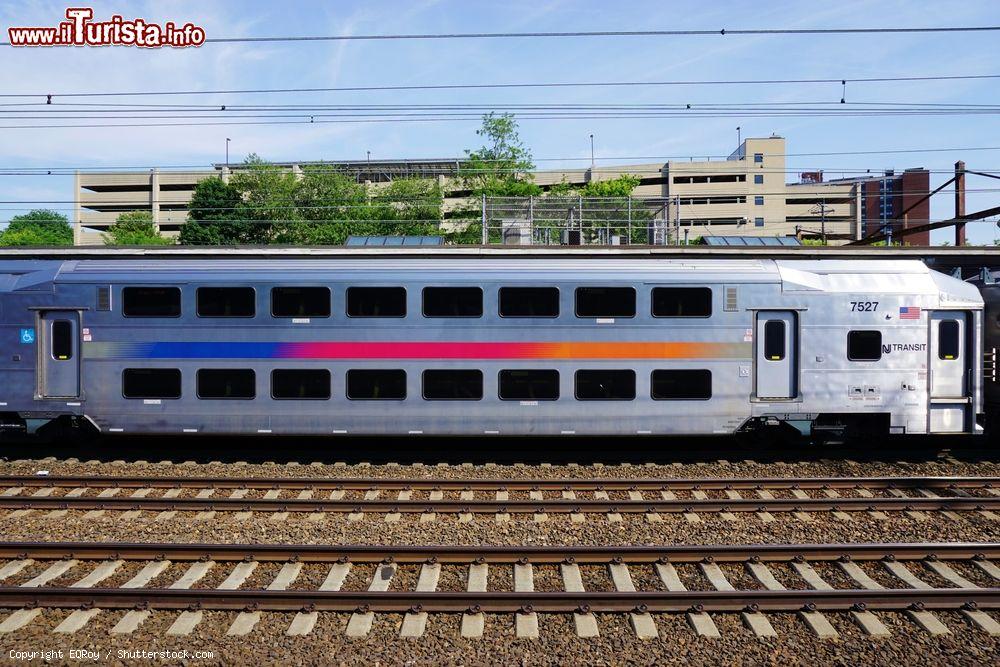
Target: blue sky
(327,64)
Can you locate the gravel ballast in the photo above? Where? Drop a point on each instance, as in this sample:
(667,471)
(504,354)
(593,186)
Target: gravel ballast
(557,643)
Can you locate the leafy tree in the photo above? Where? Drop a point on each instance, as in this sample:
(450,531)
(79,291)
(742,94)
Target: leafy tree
(502,166)
(135,228)
(333,206)
(38,227)
(215,215)
(268,194)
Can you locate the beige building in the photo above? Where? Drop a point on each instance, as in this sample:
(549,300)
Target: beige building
(743,195)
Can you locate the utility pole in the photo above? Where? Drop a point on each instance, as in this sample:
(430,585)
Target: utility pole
(227,152)
(739,137)
(821,209)
(959,203)
(591,157)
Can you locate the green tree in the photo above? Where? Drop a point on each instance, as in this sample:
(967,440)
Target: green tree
(333,206)
(135,228)
(502,165)
(269,198)
(215,215)
(38,227)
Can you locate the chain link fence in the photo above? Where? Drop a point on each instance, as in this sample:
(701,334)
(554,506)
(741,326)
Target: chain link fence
(574,220)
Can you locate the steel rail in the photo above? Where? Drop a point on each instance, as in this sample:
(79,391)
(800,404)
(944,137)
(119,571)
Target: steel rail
(499,602)
(554,505)
(357,553)
(473,484)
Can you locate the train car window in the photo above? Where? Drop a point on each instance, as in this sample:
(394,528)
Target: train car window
(151,383)
(376,302)
(948,339)
(605,385)
(226,302)
(453,385)
(453,302)
(62,340)
(529,302)
(300,301)
(376,385)
(226,383)
(682,302)
(529,385)
(681,385)
(151,302)
(864,345)
(300,384)
(774,340)
(605,302)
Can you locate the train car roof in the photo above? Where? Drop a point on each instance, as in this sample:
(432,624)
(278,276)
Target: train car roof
(861,277)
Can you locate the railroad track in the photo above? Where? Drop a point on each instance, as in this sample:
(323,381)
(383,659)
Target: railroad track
(502,497)
(755,581)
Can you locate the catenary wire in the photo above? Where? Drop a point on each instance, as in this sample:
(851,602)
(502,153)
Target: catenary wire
(718,32)
(482,86)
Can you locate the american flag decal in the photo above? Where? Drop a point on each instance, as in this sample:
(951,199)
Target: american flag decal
(909,313)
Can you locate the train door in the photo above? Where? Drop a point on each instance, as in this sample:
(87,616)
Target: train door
(59,354)
(775,357)
(950,366)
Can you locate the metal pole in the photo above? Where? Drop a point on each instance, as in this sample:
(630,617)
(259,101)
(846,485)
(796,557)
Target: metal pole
(959,203)
(227,151)
(822,220)
(591,156)
(485,235)
(677,216)
(628,238)
(531,216)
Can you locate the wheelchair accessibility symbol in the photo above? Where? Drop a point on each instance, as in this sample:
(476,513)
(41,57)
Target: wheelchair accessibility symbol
(27,336)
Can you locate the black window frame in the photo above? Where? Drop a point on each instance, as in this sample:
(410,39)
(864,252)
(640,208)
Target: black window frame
(470,371)
(423,302)
(329,301)
(856,333)
(329,384)
(767,340)
(576,302)
(355,289)
(162,397)
(61,338)
(128,289)
(253,384)
(500,383)
(576,383)
(953,337)
(689,374)
(758,158)
(524,288)
(682,288)
(758,179)
(351,373)
(758,200)
(197,301)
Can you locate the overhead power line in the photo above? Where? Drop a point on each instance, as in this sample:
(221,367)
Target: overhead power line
(320,119)
(480,86)
(717,32)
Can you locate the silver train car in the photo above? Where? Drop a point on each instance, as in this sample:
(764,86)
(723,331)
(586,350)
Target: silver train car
(502,346)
